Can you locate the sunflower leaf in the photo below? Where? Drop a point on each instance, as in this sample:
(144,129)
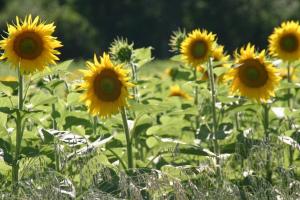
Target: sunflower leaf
(5,89)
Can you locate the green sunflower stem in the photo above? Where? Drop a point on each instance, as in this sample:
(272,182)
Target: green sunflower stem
(289,77)
(267,138)
(290,105)
(54,123)
(196,87)
(19,133)
(56,156)
(214,116)
(196,99)
(54,126)
(135,80)
(95,124)
(128,139)
(56,145)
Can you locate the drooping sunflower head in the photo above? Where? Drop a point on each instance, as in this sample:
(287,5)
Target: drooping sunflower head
(253,76)
(197,47)
(176,91)
(106,87)
(285,41)
(30,45)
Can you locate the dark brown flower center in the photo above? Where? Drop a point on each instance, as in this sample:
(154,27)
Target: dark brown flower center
(253,74)
(289,43)
(199,49)
(28,45)
(107,86)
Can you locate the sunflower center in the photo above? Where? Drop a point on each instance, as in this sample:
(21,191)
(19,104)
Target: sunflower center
(289,43)
(253,74)
(199,49)
(28,45)
(107,86)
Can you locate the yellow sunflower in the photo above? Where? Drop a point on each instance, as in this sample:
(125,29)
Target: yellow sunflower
(220,59)
(253,76)
(176,91)
(30,44)
(197,47)
(285,41)
(106,87)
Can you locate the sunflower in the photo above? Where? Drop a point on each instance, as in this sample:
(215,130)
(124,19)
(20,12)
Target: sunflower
(106,87)
(30,44)
(253,76)
(197,47)
(285,41)
(121,50)
(176,91)
(219,59)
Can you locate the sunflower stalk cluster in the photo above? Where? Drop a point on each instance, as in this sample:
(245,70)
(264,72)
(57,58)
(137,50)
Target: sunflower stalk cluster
(19,132)
(29,47)
(214,117)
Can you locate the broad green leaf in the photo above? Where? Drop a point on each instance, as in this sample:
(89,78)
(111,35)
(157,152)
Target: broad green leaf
(243,107)
(5,89)
(142,56)
(169,129)
(286,85)
(42,99)
(141,124)
(61,67)
(73,98)
(152,107)
(151,142)
(54,83)
(3,119)
(6,105)
(226,99)
(175,172)
(95,166)
(76,118)
(5,145)
(5,169)
(220,70)
(177,58)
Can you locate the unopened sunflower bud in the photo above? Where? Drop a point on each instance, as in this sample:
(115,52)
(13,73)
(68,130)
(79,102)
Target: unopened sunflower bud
(176,39)
(121,50)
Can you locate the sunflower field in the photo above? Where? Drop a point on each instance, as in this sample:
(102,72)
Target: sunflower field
(203,124)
